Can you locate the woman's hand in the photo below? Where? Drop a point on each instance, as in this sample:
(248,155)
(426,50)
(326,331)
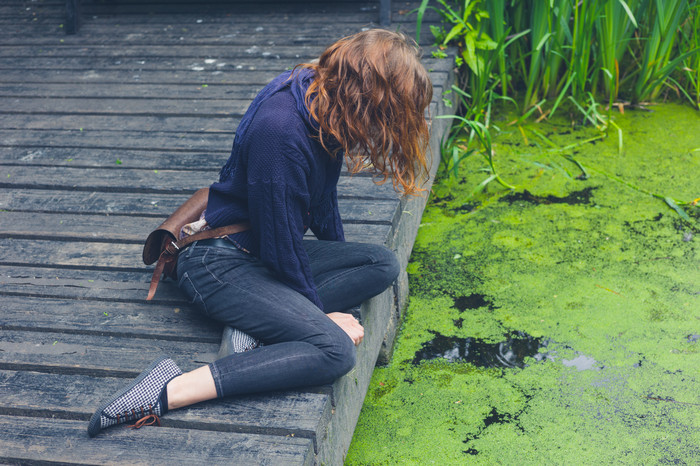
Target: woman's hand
(349,324)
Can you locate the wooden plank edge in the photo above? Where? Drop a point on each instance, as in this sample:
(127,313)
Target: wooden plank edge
(51,441)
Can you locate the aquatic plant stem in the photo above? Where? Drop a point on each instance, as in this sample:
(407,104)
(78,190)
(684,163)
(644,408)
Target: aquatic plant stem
(482,133)
(671,202)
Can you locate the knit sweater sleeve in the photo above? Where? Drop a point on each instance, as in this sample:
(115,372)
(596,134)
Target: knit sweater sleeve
(278,202)
(329,228)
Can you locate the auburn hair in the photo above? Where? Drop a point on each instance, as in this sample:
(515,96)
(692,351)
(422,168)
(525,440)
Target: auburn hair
(369,96)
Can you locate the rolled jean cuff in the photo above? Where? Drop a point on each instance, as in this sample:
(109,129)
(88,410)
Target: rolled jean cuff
(216,375)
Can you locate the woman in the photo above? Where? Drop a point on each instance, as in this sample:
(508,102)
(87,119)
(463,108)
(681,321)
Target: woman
(364,100)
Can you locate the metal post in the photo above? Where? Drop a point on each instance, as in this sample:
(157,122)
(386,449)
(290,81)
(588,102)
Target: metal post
(72,16)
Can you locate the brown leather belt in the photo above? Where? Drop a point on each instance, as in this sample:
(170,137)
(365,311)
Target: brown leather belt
(217,243)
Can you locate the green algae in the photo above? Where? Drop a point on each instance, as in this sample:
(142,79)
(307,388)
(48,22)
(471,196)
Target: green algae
(605,276)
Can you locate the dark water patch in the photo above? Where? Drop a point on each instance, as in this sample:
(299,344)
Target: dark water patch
(437,200)
(509,353)
(468,207)
(580,197)
(473,301)
(458,322)
(494,417)
(694,338)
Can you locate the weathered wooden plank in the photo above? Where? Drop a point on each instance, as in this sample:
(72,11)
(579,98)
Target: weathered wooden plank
(99,33)
(135,124)
(124,256)
(147,204)
(130,229)
(154,181)
(120,310)
(362,10)
(116,140)
(130,90)
(241,74)
(172,126)
(302,414)
(265,10)
(111,356)
(108,34)
(157,206)
(70,254)
(24,287)
(126,107)
(238,12)
(53,22)
(189,70)
(197,159)
(135,228)
(27,440)
(144,70)
(159,52)
(89,74)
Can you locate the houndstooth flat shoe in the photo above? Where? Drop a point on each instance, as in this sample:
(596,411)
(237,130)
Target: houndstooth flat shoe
(141,399)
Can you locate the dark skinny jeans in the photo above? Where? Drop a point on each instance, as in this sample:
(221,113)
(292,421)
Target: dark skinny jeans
(302,346)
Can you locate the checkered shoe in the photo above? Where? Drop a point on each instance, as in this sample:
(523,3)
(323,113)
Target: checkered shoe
(141,398)
(235,341)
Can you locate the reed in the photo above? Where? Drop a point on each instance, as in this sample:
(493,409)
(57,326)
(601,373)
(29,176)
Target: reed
(657,42)
(614,28)
(592,56)
(690,66)
(607,48)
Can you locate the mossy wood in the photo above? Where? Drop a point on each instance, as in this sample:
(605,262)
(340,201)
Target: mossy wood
(104,133)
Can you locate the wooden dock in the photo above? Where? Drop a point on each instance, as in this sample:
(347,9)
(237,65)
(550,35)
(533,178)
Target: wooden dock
(102,135)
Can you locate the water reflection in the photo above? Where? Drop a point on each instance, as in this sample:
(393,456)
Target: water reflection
(509,353)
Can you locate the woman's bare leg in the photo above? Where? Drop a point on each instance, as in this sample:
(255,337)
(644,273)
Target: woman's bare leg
(190,388)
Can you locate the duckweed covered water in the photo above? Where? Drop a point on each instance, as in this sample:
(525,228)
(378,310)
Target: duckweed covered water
(557,324)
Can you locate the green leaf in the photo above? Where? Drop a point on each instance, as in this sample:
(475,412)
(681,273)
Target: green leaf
(438,32)
(469,53)
(672,204)
(419,20)
(453,32)
(486,43)
(543,41)
(629,12)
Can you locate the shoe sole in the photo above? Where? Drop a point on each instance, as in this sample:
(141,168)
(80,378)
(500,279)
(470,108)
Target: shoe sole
(95,425)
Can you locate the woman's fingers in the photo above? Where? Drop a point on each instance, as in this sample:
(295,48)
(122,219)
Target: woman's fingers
(349,324)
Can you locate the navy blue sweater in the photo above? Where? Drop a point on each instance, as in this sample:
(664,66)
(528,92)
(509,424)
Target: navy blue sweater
(283,182)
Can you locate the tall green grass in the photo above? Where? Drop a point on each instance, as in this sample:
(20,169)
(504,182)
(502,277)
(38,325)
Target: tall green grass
(689,78)
(657,40)
(610,49)
(592,55)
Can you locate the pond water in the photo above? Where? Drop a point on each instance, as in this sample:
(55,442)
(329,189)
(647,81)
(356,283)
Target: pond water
(557,324)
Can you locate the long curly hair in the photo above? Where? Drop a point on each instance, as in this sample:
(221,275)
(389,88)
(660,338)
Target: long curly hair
(369,96)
